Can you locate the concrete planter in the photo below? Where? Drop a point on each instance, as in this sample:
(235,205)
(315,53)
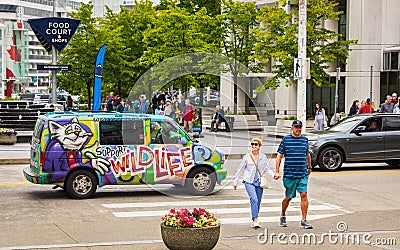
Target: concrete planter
(190,238)
(8,139)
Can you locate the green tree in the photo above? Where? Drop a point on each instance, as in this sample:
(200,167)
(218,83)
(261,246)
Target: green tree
(277,40)
(237,20)
(177,32)
(81,55)
(125,46)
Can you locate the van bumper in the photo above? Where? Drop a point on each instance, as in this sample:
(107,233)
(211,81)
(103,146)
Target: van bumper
(221,175)
(32,176)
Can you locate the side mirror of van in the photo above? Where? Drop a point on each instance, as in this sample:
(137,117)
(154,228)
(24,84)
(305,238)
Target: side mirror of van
(183,141)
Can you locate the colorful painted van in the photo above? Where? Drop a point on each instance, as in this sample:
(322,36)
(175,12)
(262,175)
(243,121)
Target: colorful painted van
(80,151)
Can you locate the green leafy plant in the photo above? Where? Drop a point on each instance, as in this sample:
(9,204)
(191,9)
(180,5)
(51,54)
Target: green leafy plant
(184,218)
(7,131)
(289,118)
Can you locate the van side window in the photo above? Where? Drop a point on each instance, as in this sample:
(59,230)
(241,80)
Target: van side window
(133,132)
(121,132)
(164,133)
(111,133)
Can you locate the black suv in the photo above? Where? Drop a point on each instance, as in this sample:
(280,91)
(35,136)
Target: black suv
(360,138)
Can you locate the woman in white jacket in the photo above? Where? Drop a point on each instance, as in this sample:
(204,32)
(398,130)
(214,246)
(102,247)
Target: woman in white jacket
(251,177)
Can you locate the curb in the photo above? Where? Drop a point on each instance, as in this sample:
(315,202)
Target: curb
(16,161)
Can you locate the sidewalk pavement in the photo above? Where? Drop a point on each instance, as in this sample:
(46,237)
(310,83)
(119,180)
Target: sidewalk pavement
(234,144)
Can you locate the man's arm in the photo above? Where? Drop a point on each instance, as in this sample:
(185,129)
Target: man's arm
(278,164)
(309,165)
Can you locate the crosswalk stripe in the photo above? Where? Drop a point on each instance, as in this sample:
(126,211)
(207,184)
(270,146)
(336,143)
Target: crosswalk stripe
(275,218)
(221,211)
(192,203)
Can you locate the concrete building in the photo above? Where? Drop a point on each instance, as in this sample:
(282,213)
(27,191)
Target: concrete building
(29,52)
(376,26)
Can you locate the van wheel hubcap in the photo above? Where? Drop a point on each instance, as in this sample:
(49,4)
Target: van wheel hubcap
(82,184)
(201,181)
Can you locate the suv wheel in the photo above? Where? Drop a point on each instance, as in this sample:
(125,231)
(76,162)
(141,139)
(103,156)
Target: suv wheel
(81,184)
(201,181)
(330,159)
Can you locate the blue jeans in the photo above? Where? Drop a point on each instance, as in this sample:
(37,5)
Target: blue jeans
(255,193)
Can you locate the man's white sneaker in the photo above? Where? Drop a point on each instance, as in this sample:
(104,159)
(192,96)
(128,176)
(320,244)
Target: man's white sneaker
(255,224)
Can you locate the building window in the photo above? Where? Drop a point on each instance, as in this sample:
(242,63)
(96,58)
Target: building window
(394,60)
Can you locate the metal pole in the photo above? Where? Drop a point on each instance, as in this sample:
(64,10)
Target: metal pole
(54,62)
(301,83)
(337,90)
(370,91)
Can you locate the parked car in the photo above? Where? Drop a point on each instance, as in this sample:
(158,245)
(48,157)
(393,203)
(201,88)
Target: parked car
(41,99)
(360,138)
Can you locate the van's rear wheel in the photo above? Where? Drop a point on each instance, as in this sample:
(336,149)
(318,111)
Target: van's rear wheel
(201,181)
(81,184)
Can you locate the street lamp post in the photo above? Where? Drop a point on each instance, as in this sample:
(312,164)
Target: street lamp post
(302,53)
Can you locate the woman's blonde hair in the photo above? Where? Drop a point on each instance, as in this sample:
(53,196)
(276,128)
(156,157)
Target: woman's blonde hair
(257,140)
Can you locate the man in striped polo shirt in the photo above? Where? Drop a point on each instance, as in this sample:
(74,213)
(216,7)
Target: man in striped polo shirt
(297,167)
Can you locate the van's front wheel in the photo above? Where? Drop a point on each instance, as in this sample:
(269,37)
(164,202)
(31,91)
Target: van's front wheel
(81,184)
(201,181)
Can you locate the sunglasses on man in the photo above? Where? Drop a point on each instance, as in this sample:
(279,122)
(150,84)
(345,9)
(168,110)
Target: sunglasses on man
(254,144)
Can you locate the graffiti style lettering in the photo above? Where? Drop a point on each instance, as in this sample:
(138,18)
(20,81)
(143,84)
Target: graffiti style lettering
(187,157)
(160,171)
(166,163)
(173,161)
(143,152)
(117,166)
(111,152)
(201,153)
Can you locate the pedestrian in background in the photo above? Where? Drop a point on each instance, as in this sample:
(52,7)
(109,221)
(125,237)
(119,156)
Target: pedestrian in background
(168,111)
(320,117)
(394,98)
(387,106)
(110,101)
(297,168)
(252,165)
(122,107)
(366,108)
(354,108)
(116,102)
(217,119)
(188,116)
(140,106)
(69,104)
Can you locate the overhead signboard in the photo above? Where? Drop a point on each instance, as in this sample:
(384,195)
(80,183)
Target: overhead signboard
(53,67)
(54,31)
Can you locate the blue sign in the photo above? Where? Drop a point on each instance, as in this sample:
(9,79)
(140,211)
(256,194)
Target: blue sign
(98,76)
(54,31)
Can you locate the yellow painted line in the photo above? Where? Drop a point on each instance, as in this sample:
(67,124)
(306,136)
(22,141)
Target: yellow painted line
(356,172)
(15,184)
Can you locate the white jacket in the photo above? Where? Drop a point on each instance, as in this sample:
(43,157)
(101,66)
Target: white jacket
(248,168)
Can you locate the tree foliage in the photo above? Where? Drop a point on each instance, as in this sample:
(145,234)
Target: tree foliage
(277,41)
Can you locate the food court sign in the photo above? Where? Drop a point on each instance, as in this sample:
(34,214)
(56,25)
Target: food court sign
(54,31)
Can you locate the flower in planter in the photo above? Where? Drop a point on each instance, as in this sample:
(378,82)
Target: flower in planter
(184,218)
(7,131)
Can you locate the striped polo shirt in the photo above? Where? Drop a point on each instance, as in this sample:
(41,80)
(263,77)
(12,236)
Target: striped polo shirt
(295,151)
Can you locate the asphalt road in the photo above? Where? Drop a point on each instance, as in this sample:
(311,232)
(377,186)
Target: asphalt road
(361,198)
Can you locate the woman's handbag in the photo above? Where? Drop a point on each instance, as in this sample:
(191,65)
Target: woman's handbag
(263,179)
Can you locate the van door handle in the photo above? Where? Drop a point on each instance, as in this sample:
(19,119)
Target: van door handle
(379,137)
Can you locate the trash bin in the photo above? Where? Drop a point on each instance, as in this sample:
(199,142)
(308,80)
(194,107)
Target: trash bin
(229,120)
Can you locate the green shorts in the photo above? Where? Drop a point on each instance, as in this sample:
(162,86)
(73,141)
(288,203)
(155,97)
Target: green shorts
(293,184)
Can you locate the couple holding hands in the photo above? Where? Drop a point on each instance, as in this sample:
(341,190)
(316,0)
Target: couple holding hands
(297,168)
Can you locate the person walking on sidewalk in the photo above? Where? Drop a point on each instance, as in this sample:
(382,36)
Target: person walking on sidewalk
(251,177)
(297,168)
